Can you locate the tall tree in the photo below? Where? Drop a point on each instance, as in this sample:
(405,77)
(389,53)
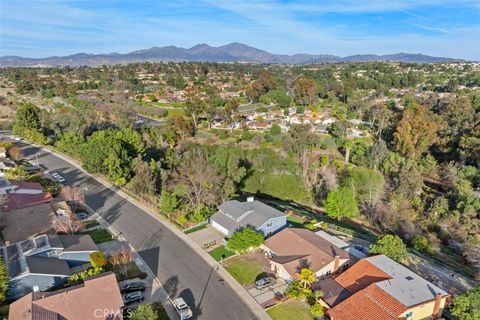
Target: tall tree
(305,91)
(341,204)
(417,131)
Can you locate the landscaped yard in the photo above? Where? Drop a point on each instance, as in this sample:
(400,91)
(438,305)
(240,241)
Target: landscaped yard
(90,223)
(244,271)
(291,309)
(203,226)
(221,252)
(99,235)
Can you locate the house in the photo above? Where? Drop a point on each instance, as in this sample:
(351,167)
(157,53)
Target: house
(26,223)
(5,165)
(96,299)
(233,215)
(356,251)
(44,262)
(16,201)
(294,248)
(378,287)
(14,186)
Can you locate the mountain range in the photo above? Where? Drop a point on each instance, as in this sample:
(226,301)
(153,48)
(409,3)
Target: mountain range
(233,52)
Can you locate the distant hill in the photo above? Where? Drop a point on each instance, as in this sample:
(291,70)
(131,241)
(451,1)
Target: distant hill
(233,52)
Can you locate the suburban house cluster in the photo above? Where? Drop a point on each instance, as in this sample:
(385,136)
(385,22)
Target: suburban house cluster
(355,286)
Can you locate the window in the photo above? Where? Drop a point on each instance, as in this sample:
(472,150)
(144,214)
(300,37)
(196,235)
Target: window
(409,315)
(269,224)
(328,273)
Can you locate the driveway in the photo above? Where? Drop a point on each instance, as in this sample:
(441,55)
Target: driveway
(266,296)
(206,236)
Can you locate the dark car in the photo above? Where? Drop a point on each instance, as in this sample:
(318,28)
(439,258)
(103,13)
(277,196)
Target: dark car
(135,296)
(132,286)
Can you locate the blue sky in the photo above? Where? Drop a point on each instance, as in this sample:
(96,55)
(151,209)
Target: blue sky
(39,28)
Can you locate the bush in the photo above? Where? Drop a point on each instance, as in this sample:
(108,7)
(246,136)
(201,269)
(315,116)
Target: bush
(244,240)
(247,136)
(98,260)
(422,244)
(80,276)
(390,245)
(317,310)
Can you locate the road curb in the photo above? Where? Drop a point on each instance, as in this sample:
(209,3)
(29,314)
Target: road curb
(237,288)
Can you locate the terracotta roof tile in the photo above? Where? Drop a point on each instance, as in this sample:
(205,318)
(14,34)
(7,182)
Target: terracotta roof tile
(370,303)
(361,275)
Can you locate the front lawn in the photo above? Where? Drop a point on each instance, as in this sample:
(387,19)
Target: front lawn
(245,272)
(90,223)
(291,309)
(99,235)
(221,252)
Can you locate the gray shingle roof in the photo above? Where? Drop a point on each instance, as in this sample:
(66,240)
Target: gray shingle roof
(48,265)
(405,285)
(234,214)
(77,243)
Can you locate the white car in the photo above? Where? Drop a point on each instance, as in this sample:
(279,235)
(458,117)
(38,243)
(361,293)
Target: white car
(182,308)
(58,177)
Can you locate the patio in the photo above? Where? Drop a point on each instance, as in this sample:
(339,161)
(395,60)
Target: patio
(208,238)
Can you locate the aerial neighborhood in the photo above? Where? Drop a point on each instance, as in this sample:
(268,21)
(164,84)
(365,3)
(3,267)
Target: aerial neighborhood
(227,182)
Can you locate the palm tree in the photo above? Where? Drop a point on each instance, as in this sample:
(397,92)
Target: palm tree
(307,277)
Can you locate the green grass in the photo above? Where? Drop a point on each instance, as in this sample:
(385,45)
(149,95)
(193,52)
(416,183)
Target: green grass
(294,221)
(175,112)
(99,235)
(203,226)
(220,252)
(292,309)
(245,272)
(90,223)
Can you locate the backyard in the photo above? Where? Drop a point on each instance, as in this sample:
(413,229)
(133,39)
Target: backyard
(291,309)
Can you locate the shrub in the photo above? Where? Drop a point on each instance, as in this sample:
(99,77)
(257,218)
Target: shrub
(80,276)
(98,260)
(422,244)
(317,310)
(247,136)
(390,245)
(244,240)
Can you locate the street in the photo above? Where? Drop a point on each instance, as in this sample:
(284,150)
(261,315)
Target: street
(181,270)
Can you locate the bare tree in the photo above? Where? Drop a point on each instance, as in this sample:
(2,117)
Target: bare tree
(68,224)
(74,196)
(122,259)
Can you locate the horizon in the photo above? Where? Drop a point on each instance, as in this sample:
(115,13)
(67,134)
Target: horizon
(44,28)
(226,44)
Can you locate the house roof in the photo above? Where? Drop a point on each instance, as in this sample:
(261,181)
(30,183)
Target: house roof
(27,185)
(361,275)
(234,214)
(19,200)
(310,249)
(75,303)
(47,265)
(333,292)
(405,285)
(25,223)
(369,303)
(72,243)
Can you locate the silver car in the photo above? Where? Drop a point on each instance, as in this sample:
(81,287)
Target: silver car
(264,282)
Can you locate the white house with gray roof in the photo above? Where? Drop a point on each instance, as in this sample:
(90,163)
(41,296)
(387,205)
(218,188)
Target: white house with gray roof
(233,215)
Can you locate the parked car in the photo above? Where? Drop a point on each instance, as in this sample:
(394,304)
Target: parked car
(81,215)
(58,177)
(182,308)
(132,286)
(135,296)
(264,282)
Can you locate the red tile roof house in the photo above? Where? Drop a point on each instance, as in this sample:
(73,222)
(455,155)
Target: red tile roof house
(97,298)
(380,288)
(293,249)
(18,200)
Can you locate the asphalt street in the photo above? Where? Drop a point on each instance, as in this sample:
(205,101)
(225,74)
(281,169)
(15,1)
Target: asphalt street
(179,268)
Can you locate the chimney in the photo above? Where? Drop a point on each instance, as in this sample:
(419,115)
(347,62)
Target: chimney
(336,264)
(250,199)
(436,306)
